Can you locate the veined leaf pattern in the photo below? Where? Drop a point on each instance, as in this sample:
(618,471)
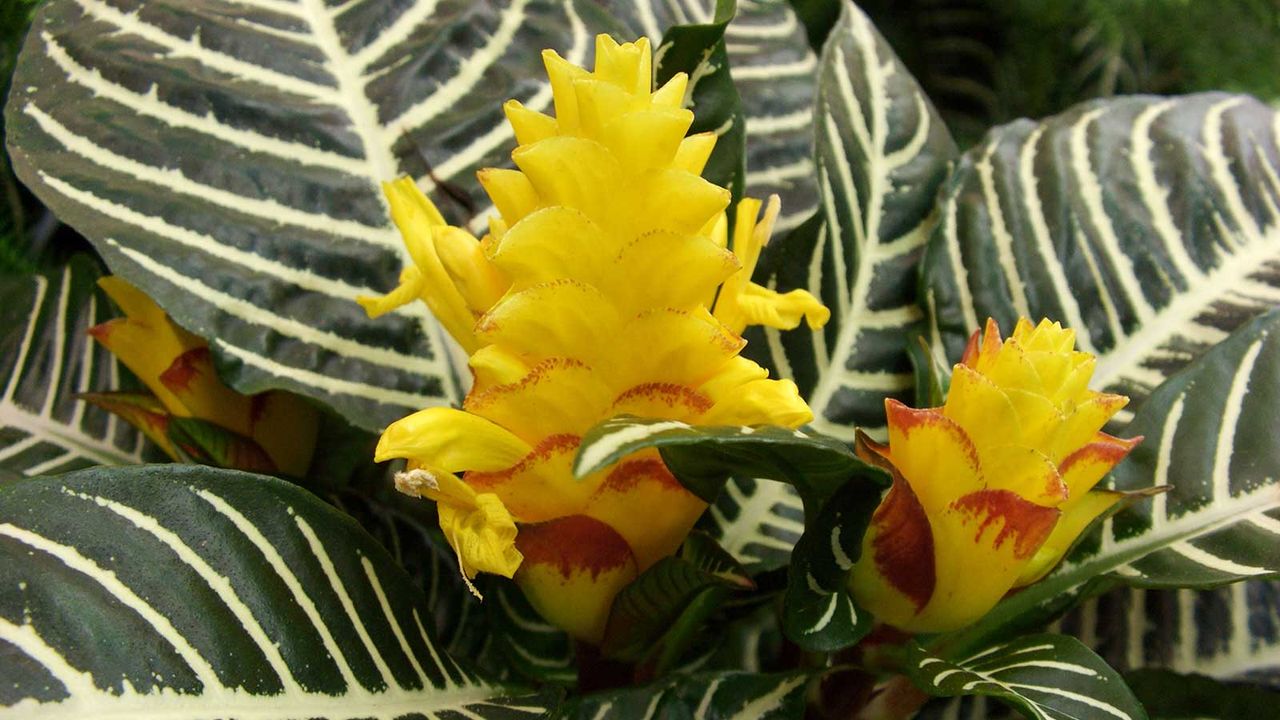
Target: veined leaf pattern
(882,152)
(1151,225)
(225,157)
(46,357)
(1047,677)
(170,590)
(728,695)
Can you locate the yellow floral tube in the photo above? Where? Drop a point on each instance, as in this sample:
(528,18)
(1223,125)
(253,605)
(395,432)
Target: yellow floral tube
(607,285)
(991,489)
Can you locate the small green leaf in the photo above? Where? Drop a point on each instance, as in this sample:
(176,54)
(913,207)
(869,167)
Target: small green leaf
(933,375)
(698,50)
(819,614)
(651,605)
(1046,677)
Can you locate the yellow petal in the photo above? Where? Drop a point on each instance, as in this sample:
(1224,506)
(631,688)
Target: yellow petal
(416,217)
(1076,516)
(451,441)
(510,191)
(557,396)
(694,152)
(475,277)
(761,402)
(477,525)
(529,126)
(411,288)
(647,506)
(563,318)
(761,306)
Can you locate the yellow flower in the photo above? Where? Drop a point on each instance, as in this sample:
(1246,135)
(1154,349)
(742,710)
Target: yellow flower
(991,489)
(177,367)
(605,286)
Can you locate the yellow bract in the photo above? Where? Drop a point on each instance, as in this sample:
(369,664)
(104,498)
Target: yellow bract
(991,489)
(606,285)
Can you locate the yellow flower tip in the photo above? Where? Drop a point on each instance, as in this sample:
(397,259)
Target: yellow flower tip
(991,489)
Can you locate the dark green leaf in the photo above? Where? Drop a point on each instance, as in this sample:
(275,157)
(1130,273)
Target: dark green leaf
(169,589)
(703,458)
(699,52)
(1170,696)
(1047,677)
(651,605)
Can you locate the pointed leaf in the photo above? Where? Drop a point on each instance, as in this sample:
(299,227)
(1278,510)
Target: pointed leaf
(882,152)
(1047,677)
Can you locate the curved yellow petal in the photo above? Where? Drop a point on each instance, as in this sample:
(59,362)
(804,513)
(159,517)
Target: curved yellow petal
(453,439)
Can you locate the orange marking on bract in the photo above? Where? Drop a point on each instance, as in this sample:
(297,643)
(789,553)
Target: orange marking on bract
(474,402)
(1106,449)
(670,394)
(184,369)
(907,418)
(1027,523)
(903,544)
(630,473)
(575,543)
(550,445)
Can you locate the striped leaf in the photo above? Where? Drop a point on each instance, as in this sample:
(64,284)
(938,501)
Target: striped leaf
(46,359)
(504,636)
(1047,677)
(1170,696)
(177,591)
(1208,434)
(724,696)
(1231,633)
(225,157)
(1151,225)
(757,521)
(882,152)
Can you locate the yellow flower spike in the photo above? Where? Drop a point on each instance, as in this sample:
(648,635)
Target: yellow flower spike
(608,254)
(177,367)
(477,525)
(991,489)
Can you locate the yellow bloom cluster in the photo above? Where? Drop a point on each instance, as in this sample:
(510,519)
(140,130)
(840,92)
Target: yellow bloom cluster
(607,285)
(991,489)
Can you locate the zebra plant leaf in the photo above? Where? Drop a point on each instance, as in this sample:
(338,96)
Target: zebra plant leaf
(226,158)
(724,695)
(1151,225)
(757,521)
(1207,437)
(1230,633)
(160,590)
(1047,677)
(882,153)
(1170,696)
(46,359)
